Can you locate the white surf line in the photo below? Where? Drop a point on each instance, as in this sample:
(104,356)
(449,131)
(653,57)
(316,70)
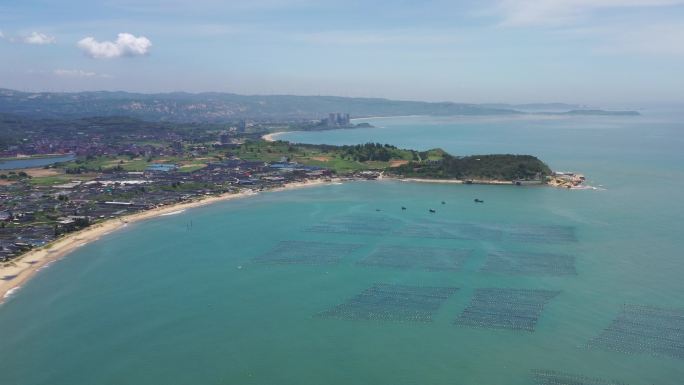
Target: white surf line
(172,213)
(10,292)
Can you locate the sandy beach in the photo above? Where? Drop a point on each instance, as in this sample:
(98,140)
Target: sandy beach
(15,273)
(419,180)
(271,137)
(449,181)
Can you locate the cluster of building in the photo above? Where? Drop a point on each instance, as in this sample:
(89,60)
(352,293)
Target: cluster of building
(31,216)
(92,145)
(120,138)
(336,119)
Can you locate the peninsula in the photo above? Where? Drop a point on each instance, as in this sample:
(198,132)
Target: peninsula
(122,169)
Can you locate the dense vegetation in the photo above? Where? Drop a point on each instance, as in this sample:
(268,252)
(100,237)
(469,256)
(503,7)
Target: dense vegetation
(371,152)
(401,162)
(501,167)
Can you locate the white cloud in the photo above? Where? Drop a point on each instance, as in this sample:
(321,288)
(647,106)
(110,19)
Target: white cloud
(78,73)
(126,44)
(560,12)
(39,38)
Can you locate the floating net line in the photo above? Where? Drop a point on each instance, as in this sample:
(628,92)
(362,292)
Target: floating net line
(516,309)
(441,229)
(388,302)
(552,377)
(360,225)
(305,252)
(540,233)
(425,258)
(450,230)
(527,263)
(640,329)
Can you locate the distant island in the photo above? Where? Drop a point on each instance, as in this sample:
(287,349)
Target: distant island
(601,113)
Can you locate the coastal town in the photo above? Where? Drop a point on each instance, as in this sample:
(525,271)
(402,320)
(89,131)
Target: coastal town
(117,167)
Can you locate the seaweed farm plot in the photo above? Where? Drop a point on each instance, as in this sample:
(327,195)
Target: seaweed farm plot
(425,258)
(490,232)
(516,309)
(450,230)
(388,302)
(360,225)
(552,377)
(304,252)
(645,329)
(520,263)
(540,233)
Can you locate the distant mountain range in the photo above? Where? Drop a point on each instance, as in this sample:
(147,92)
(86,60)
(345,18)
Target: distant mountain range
(226,107)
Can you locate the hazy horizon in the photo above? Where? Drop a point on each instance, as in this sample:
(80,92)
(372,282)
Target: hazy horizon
(602,52)
(608,105)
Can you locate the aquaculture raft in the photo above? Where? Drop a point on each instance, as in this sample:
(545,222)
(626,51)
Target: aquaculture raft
(388,302)
(515,309)
(552,377)
(645,329)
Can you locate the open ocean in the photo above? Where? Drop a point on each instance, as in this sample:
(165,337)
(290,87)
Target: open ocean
(316,286)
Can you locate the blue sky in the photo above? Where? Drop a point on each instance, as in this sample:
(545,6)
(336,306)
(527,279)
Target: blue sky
(587,51)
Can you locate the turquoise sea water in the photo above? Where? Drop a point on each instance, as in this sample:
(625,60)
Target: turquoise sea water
(164,303)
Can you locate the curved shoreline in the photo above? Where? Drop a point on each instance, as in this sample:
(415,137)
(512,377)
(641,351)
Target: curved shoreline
(452,181)
(25,267)
(272,136)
